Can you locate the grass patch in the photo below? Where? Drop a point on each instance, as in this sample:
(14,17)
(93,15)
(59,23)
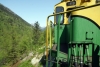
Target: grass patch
(26,64)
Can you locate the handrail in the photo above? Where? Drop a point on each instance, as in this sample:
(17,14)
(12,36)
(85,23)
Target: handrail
(58,40)
(51,34)
(49,28)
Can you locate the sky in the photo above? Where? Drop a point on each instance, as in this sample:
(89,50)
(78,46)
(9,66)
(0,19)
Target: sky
(32,10)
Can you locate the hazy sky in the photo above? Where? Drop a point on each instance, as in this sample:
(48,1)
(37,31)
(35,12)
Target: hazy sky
(32,10)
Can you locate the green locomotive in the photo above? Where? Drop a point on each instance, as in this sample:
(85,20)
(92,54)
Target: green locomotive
(76,37)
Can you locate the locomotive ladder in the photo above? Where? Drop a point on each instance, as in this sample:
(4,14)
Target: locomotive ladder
(48,59)
(48,47)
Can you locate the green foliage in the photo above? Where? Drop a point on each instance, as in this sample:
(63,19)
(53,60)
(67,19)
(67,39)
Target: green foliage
(36,33)
(26,64)
(17,37)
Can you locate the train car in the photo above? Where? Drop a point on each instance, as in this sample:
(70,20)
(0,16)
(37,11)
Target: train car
(76,37)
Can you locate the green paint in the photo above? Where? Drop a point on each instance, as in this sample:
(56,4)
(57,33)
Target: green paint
(80,31)
(84,30)
(58,40)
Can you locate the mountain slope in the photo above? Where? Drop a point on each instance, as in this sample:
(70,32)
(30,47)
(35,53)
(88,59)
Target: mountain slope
(15,36)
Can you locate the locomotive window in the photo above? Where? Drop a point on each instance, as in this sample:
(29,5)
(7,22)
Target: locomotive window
(69,15)
(69,18)
(60,9)
(71,3)
(97,1)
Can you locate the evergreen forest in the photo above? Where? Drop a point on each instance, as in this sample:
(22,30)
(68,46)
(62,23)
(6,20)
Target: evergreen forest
(17,37)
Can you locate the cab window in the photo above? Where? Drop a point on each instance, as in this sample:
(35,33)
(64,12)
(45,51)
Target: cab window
(61,20)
